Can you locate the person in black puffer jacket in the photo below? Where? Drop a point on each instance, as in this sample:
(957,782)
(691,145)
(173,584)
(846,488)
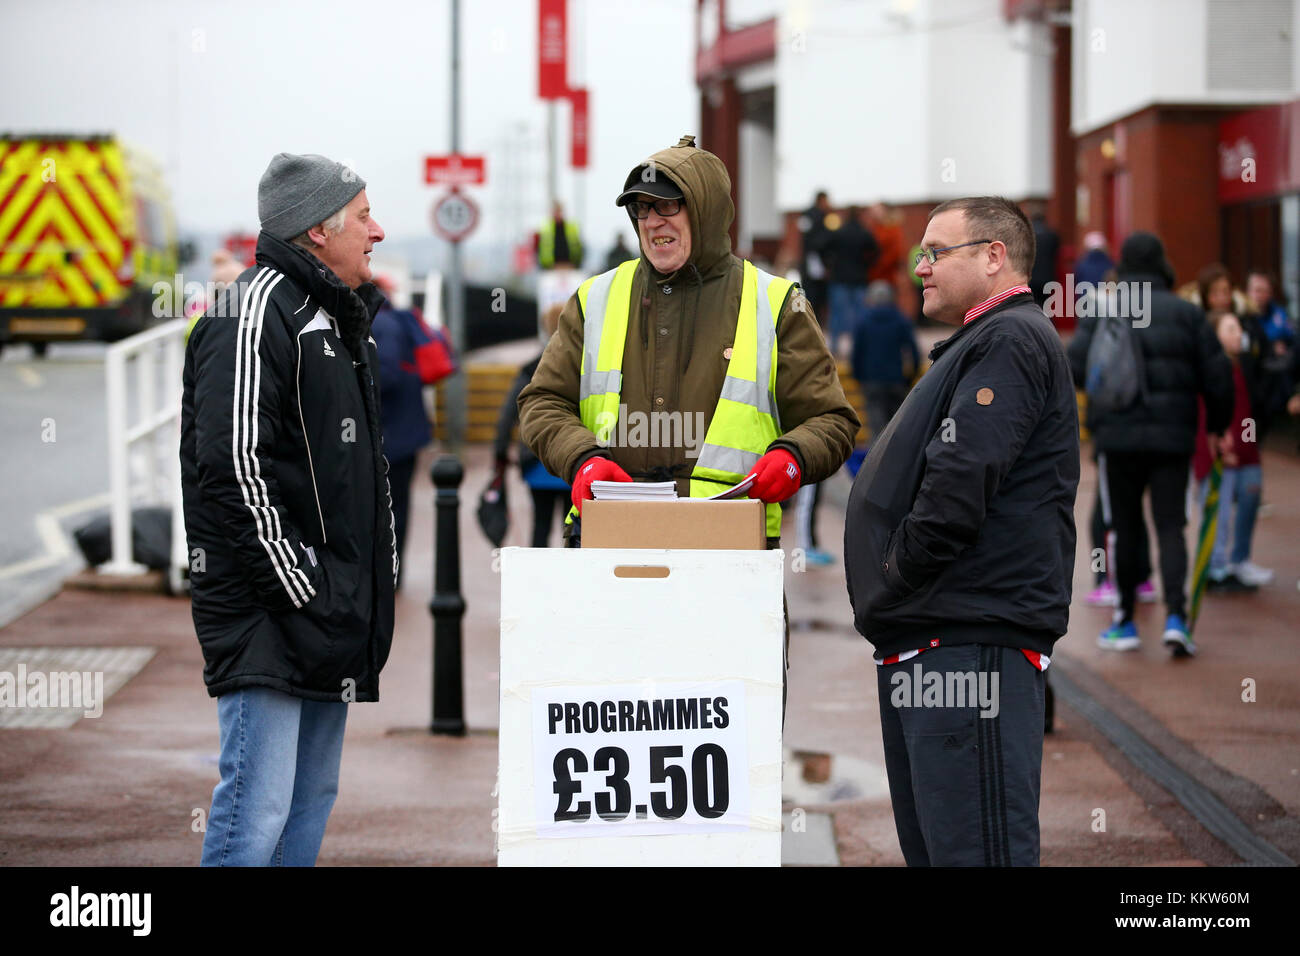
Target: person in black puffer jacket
(1150,443)
(287,511)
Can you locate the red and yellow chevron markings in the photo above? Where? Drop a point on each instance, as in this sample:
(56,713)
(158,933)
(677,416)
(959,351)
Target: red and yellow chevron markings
(63,222)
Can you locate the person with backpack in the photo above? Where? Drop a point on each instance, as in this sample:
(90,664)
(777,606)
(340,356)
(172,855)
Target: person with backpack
(1143,367)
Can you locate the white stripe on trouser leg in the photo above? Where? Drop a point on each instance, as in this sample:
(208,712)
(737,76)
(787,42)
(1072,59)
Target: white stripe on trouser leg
(1110,537)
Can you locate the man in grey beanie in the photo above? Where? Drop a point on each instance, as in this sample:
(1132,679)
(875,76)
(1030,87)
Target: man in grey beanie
(287,511)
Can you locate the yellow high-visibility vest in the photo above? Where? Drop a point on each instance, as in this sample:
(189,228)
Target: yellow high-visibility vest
(745,421)
(546,243)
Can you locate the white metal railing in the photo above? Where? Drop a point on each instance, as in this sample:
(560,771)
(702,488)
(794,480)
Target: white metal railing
(144,443)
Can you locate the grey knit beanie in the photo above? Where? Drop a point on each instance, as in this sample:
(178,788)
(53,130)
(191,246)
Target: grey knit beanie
(297,192)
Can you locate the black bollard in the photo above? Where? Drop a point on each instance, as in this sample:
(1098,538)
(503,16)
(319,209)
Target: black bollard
(448,605)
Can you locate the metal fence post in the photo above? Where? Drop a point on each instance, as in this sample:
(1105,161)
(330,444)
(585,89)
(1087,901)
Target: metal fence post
(447,605)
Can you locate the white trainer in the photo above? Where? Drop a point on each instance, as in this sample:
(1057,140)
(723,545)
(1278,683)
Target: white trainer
(1251,573)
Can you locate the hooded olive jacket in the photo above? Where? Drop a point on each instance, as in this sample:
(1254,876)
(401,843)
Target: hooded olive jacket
(679,334)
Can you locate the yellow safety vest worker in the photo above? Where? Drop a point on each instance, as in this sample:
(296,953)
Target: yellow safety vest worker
(746,419)
(546,243)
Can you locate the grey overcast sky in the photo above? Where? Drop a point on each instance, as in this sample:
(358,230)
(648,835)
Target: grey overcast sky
(214,89)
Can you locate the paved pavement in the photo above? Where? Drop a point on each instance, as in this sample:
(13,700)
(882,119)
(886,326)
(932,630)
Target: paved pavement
(132,786)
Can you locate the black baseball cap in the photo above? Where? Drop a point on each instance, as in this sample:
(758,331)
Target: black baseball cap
(657,185)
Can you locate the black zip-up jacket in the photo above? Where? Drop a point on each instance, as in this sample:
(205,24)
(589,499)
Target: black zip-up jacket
(960,525)
(287,507)
(1181,358)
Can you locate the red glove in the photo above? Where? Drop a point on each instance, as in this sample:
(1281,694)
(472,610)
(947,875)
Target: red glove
(776,476)
(595,469)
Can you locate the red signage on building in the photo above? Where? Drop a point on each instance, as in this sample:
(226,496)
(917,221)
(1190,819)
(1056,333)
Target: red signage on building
(1259,153)
(580,131)
(455,170)
(552,49)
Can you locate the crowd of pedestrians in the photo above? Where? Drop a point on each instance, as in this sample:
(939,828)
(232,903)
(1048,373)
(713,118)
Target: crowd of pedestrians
(849,265)
(1217,369)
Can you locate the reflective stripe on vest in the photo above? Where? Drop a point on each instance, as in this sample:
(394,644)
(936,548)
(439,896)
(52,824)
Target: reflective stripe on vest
(746,419)
(605,300)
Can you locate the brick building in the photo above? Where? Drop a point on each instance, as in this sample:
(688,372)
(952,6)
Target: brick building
(1174,116)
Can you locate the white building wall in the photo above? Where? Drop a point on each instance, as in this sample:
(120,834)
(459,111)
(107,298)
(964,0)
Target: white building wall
(990,122)
(757,215)
(1131,54)
(910,101)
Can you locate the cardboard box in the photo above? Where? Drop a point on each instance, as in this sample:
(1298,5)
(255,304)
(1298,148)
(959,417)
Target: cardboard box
(682,524)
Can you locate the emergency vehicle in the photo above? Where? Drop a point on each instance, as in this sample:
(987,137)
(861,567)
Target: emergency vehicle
(86,229)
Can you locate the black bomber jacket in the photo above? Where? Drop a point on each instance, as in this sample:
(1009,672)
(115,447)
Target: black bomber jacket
(960,525)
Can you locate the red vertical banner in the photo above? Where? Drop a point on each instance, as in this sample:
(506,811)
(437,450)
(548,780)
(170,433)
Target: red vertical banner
(552,49)
(580,131)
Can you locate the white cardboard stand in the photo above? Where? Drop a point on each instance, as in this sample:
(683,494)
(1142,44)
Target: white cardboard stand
(643,712)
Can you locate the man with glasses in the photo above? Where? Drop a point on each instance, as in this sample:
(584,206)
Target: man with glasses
(959,548)
(692,333)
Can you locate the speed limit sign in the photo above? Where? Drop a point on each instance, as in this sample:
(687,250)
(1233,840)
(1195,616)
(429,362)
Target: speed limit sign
(454,216)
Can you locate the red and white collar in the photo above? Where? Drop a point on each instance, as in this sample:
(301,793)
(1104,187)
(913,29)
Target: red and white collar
(992,302)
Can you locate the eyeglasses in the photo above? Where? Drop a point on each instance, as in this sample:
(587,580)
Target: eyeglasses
(933,254)
(664,207)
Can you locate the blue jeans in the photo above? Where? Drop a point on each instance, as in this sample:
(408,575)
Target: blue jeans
(847,304)
(1239,493)
(279,777)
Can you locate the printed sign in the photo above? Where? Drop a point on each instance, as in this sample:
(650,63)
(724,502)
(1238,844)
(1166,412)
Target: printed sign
(455,170)
(640,713)
(648,758)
